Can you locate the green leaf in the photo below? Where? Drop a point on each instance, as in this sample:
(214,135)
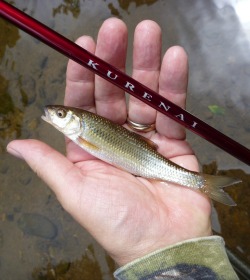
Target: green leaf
(217,110)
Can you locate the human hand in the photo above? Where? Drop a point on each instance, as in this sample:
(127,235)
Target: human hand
(129,216)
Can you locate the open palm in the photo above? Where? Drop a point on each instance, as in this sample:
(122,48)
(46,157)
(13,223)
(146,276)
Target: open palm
(129,216)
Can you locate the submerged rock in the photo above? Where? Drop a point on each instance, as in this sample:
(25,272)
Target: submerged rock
(37,225)
(88,267)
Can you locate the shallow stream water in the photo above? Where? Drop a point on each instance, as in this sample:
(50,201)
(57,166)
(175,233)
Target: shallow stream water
(35,232)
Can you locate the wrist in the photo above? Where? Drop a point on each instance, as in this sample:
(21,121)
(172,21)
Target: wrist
(195,258)
(133,252)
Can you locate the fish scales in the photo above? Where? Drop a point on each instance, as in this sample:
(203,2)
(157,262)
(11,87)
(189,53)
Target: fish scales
(129,151)
(135,155)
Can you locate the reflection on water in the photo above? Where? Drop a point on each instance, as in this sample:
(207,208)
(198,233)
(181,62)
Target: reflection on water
(10,115)
(8,36)
(216,37)
(123,4)
(72,6)
(75,270)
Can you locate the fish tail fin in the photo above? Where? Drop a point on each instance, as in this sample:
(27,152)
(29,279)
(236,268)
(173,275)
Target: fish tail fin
(214,188)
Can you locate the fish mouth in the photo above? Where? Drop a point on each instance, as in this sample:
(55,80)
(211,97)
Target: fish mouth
(46,116)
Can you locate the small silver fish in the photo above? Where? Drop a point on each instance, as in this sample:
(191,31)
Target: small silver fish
(131,152)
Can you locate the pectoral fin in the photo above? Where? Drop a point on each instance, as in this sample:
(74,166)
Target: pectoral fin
(86,145)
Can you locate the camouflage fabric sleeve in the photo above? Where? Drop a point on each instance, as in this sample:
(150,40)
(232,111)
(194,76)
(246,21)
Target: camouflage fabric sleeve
(200,258)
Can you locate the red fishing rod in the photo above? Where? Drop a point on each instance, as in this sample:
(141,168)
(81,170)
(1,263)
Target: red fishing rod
(123,81)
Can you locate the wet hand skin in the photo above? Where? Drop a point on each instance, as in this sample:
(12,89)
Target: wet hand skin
(127,215)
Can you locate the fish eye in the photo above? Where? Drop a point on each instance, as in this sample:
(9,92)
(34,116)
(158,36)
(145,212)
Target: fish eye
(61,113)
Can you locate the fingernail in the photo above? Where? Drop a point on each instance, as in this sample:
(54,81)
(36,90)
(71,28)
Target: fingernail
(13,151)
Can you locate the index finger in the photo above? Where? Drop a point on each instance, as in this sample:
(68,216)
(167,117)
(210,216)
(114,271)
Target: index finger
(80,81)
(111,46)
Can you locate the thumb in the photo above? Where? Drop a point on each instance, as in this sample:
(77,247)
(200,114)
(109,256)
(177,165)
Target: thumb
(51,166)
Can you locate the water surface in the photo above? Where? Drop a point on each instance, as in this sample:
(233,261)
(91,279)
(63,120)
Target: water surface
(216,36)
